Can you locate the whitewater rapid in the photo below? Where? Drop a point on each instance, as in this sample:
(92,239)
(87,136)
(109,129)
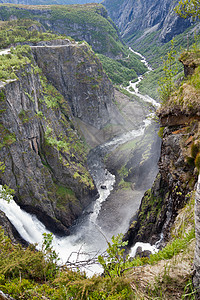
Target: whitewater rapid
(87,236)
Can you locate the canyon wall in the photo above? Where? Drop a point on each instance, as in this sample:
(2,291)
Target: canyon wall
(136,18)
(44,156)
(179,166)
(78,75)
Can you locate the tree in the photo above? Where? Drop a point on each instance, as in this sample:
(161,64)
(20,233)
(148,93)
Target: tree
(188,8)
(114,263)
(166,82)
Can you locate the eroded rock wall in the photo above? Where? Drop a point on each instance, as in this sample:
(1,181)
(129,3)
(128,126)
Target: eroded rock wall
(170,191)
(147,16)
(78,75)
(44,155)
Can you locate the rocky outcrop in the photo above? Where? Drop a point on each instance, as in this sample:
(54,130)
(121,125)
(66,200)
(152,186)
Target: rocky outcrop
(178,170)
(44,157)
(190,62)
(79,78)
(134,16)
(170,192)
(10,230)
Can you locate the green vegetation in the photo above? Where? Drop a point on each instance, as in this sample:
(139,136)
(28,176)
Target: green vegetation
(6,138)
(23,115)
(188,8)
(51,96)
(72,153)
(30,274)
(20,31)
(5,191)
(26,273)
(121,71)
(194,159)
(114,264)
(90,18)
(64,196)
(10,63)
(166,83)
(104,36)
(155,51)
(186,96)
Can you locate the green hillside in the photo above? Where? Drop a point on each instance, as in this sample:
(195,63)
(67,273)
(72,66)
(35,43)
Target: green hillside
(81,22)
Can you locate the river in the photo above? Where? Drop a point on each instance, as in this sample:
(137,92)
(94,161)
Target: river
(88,234)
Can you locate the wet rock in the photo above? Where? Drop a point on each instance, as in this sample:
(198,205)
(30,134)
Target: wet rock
(140,253)
(103,187)
(10,230)
(147,16)
(160,204)
(5,296)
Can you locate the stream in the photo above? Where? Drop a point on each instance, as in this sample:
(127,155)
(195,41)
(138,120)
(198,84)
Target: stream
(87,237)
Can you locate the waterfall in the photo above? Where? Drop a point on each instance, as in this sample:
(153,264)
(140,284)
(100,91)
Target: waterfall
(87,235)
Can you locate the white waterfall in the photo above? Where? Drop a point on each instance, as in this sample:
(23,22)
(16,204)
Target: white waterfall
(86,236)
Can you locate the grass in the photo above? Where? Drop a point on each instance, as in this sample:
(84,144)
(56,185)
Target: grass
(10,63)
(121,71)
(23,30)
(186,96)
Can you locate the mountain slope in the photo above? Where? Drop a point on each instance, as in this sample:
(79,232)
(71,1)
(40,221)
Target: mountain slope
(49,2)
(136,18)
(88,22)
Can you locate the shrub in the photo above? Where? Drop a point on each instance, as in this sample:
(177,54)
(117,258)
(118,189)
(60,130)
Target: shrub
(194,150)
(197,161)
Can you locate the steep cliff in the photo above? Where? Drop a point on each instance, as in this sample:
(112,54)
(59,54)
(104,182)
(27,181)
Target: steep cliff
(178,164)
(44,156)
(137,18)
(78,75)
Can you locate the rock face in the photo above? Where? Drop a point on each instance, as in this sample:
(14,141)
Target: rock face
(10,230)
(145,16)
(44,156)
(170,190)
(80,79)
(177,175)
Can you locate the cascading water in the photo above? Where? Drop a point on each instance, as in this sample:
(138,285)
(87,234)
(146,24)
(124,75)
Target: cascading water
(87,235)
(133,89)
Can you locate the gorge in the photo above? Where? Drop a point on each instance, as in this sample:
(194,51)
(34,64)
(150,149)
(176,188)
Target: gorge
(80,153)
(87,233)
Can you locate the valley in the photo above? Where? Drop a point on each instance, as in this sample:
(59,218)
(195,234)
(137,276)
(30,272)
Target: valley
(83,151)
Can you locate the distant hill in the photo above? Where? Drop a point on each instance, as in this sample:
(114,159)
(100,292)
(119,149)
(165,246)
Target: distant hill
(141,17)
(49,2)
